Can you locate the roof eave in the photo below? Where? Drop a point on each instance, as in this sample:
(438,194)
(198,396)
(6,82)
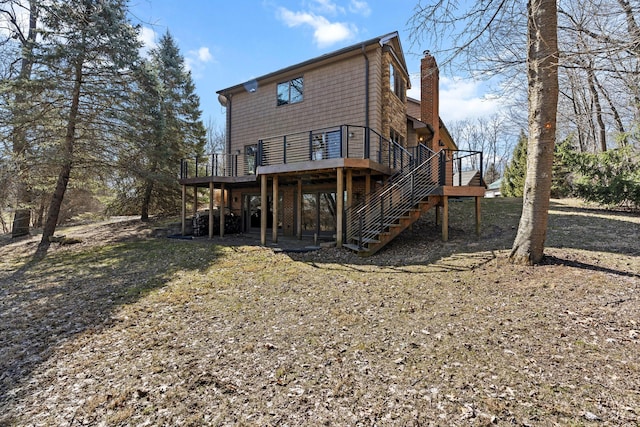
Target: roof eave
(359,46)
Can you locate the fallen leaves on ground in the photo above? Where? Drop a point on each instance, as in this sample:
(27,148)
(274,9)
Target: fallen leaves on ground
(160,332)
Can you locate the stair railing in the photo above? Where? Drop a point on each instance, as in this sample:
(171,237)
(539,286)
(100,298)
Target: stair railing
(389,203)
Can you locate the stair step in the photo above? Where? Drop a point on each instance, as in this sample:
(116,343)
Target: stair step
(377,232)
(351,246)
(367,240)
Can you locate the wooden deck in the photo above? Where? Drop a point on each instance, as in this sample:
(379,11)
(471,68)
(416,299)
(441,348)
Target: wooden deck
(460,191)
(203,181)
(337,172)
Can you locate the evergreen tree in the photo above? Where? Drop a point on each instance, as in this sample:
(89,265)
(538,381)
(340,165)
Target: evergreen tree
(87,45)
(611,178)
(16,100)
(143,122)
(561,185)
(166,124)
(515,173)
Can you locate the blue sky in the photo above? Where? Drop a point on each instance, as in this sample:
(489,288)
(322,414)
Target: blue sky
(229,42)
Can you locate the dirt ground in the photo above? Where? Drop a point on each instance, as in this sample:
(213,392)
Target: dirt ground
(129,329)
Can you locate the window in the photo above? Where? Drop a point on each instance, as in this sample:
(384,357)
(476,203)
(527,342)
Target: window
(392,78)
(250,156)
(319,213)
(290,92)
(397,152)
(397,83)
(396,137)
(326,145)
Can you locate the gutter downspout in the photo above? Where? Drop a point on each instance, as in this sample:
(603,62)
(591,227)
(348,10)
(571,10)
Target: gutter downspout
(228,148)
(366,102)
(225,100)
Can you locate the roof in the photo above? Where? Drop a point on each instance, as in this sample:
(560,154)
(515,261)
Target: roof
(495,185)
(471,177)
(446,136)
(419,124)
(381,40)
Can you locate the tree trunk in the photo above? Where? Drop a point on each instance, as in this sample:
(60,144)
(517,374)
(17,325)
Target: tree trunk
(542,62)
(602,131)
(22,217)
(67,156)
(146,200)
(148,191)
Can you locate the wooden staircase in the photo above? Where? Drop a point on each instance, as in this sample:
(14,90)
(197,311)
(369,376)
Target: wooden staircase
(394,207)
(370,246)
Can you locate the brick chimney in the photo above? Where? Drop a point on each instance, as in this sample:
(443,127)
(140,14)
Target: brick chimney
(430,95)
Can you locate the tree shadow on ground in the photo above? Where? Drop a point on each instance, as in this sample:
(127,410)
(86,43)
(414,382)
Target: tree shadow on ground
(553,260)
(47,302)
(594,230)
(421,249)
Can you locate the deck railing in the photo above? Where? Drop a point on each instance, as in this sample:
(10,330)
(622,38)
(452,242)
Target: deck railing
(384,206)
(212,165)
(403,191)
(345,141)
(463,161)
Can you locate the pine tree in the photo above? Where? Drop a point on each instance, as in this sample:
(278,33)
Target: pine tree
(87,46)
(17,106)
(515,172)
(562,173)
(166,118)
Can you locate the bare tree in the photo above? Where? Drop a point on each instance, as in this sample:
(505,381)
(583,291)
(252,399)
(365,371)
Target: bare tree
(481,33)
(542,65)
(215,137)
(487,135)
(599,65)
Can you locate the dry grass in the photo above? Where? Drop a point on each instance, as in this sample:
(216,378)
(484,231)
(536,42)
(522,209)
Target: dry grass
(142,331)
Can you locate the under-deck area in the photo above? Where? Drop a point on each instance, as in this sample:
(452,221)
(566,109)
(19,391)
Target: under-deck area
(330,192)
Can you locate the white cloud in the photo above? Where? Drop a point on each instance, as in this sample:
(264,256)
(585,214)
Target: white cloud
(195,60)
(204,55)
(327,6)
(460,98)
(325,32)
(148,38)
(360,7)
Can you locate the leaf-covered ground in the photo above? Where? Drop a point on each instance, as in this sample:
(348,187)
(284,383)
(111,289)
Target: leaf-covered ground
(127,329)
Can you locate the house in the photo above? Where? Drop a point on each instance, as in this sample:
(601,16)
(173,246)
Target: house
(493,189)
(333,146)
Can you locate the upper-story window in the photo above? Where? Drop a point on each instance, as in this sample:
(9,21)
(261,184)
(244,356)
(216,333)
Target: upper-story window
(291,92)
(397,83)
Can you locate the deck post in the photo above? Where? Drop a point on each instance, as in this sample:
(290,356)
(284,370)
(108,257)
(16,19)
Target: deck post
(263,210)
(445,218)
(184,209)
(211,194)
(478,199)
(349,199)
(339,206)
(367,185)
(195,200)
(299,211)
(274,227)
(222,209)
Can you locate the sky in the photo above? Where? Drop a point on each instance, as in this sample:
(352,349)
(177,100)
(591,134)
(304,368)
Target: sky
(225,43)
